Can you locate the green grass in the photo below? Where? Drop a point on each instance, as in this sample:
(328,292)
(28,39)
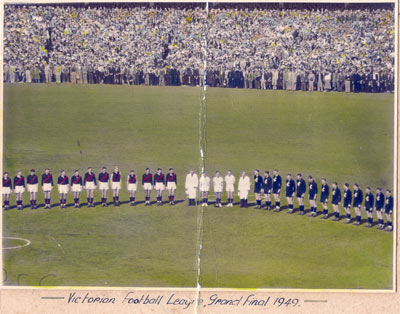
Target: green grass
(344,137)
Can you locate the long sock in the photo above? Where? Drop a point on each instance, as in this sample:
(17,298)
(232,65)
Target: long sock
(358,218)
(291,206)
(258,202)
(325,212)
(278,204)
(380,221)
(348,216)
(389,223)
(370,220)
(302,208)
(91,200)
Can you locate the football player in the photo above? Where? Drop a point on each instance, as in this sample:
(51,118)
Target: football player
(19,188)
(116,185)
(131,186)
(267,187)
(159,185)
(172,184)
(7,189)
(312,195)
(47,186)
(258,185)
(301,191)
(243,189)
(63,184)
(389,210)
(76,187)
(147,181)
(324,199)
(379,206)
(218,185)
(103,178)
(32,184)
(204,186)
(347,202)
(336,199)
(90,185)
(276,189)
(357,202)
(191,185)
(369,206)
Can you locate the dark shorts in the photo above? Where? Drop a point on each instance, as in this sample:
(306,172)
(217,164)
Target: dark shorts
(368,209)
(288,194)
(387,211)
(335,202)
(356,205)
(346,205)
(311,197)
(275,191)
(299,195)
(257,190)
(323,200)
(379,209)
(267,191)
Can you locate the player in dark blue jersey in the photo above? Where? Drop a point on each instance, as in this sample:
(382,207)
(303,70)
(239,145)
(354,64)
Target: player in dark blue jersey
(258,185)
(116,185)
(47,186)
(357,202)
(276,189)
(172,184)
(267,187)
(76,187)
(369,206)
(131,183)
(19,188)
(90,185)
(32,183)
(379,207)
(290,188)
(324,198)
(103,179)
(159,185)
(63,185)
(147,184)
(336,199)
(347,197)
(312,195)
(389,210)
(7,190)
(301,191)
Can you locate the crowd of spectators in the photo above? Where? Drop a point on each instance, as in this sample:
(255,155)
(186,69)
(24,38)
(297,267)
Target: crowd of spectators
(267,46)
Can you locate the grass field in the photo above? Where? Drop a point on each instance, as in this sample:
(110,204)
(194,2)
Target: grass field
(344,137)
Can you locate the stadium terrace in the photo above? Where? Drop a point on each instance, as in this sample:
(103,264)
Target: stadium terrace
(323,47)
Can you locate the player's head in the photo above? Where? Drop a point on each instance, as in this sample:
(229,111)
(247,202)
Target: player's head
(378,190)
(132,172)
(46,171)
(323,181)
(266,173)
(191,171)
(229,172)
(116,169)
(19,173)
(32,171)
(256,171)
(368,189)
(147,170)
(76,172)
(299,176)
(310,179)
(388,192)
(243,174)
(346,186)
(62,172)
(289,176)
(5,174)
(217,173)
(355,186)
(204,174)
(159,170)
(276,171)
(171,170)
(89,169)
(334,185)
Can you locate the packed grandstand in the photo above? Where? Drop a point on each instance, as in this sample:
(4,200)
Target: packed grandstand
(340,47)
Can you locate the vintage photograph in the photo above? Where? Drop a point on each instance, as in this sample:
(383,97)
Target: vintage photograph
(245,145)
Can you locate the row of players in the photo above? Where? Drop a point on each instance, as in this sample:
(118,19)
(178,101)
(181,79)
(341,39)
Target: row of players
(266,185)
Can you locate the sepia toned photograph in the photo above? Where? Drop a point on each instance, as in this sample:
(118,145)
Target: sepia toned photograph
(243,145)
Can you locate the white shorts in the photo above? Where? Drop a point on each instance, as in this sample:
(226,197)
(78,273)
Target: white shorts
(230,188)
(147,186)
(243,194)
(19,189)
(32,188)
(217,189)
(76,188)
(6,190)
(116,185)
(191,193)
(171,186)
(204,191)
(103,185)
(90,185)
(47,187)
(159,186)
(132,187)
(63,188)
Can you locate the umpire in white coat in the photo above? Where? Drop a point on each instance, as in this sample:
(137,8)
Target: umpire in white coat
(191,185)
